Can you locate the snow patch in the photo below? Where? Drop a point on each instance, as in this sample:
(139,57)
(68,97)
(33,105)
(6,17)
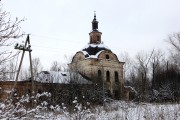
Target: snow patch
(101,45)
(61,77)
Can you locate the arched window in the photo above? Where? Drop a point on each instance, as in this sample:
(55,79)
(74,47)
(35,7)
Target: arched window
(116,94)
(98,38)
(39,91)
(107,56)
(99,75)
(116,76)
(108,76)
(29,91)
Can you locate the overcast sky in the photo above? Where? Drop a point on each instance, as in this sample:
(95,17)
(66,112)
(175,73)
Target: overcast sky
(61,27)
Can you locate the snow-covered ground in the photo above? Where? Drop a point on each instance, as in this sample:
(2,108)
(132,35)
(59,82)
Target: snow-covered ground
(117,110)
(143,111)
(130,111)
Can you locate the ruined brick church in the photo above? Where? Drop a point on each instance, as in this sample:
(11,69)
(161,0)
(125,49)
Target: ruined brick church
(97,61)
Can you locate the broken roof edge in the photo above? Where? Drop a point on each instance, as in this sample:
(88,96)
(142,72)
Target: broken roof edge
(100,45)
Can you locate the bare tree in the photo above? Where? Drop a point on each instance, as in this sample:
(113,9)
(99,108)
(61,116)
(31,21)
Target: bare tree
(24,73)
(174,41)
(3,75)
(36,65)
(143,60)
(156,61)
(8,30)
(68,60)
(129,68)
(55,66)
(12,69)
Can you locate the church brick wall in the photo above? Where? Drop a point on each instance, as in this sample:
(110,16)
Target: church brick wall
(89,68)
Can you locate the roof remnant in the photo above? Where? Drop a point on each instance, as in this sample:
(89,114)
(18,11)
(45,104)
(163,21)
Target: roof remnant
(93,50)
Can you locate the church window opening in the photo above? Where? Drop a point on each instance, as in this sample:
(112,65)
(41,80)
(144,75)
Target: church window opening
(116,94)
(39,91)
(107,56)
(29,91)
(95,26)
(108,76)
(99,75)
(116,76)
(98,38)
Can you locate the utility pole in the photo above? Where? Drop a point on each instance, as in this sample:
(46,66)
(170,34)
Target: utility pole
(24,48)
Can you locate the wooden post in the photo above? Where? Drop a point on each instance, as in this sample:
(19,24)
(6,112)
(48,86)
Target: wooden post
(24,49)
(30,60)
(19,68)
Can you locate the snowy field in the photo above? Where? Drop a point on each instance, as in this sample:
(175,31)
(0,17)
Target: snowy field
(130,111)
(118,110)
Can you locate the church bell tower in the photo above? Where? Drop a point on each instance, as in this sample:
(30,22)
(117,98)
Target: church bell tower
(95,35)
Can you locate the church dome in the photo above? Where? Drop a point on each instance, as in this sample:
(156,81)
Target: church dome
(93,50)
